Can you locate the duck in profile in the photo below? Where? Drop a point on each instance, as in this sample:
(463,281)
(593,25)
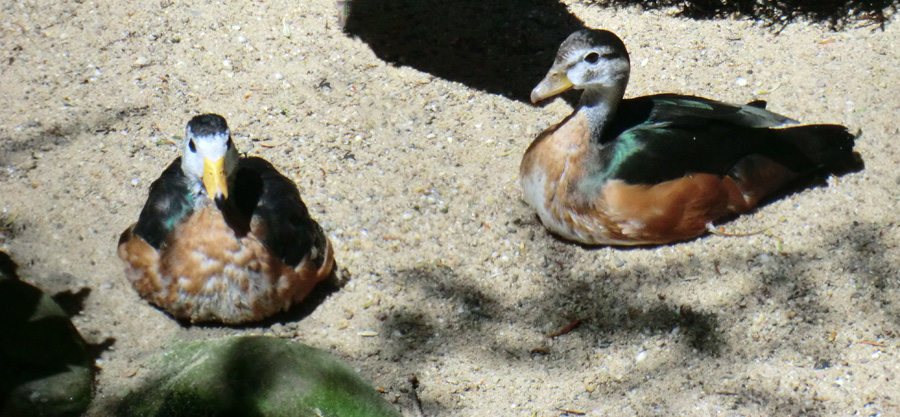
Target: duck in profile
(223,238)
(662,168)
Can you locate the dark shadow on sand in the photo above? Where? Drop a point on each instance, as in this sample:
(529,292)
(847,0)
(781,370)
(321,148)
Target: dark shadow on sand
(500,46)
(838,14)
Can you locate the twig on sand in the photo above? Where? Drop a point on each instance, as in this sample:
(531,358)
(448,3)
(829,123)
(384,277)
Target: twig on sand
(576,412)
(720,231)
(565,329)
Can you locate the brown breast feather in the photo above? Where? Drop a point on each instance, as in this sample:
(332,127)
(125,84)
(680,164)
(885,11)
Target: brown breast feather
(204,248)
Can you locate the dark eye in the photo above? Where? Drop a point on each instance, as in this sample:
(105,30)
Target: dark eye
(230,144)
(592,58)
(192,146)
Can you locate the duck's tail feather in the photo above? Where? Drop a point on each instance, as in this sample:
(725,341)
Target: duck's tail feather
(791,154)
(827,147)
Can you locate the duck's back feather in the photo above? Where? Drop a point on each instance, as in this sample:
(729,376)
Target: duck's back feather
(276,212)
(664,137)
(692,110)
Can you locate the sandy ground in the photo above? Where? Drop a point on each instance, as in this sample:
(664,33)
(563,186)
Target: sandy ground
(405,142)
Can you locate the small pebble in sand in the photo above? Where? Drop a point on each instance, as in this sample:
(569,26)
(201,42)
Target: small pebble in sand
(640,356)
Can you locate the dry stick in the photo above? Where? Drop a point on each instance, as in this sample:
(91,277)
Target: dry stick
(565,329)
(712,229)
(580,413)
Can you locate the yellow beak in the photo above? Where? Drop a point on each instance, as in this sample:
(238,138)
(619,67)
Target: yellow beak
(214,178)
(554,83)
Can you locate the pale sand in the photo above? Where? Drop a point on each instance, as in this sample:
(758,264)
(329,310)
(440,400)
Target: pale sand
(414,177)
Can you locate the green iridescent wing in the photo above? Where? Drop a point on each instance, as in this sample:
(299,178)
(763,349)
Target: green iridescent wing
(664,137)
(168,202)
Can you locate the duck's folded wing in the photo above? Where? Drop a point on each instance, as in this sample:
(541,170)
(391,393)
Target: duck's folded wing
(651,153)
(663,108)
(278,216)
(168,202)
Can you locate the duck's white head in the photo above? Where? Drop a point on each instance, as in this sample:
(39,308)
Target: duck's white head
(209,157)
(586,59)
